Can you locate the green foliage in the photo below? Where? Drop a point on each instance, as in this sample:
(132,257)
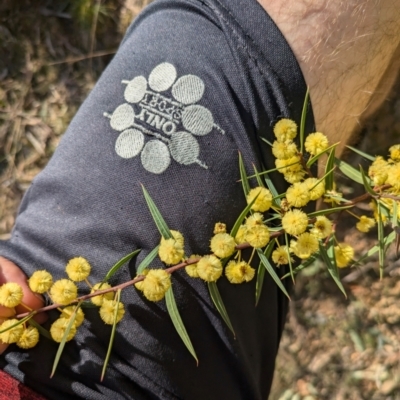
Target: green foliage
(178,323)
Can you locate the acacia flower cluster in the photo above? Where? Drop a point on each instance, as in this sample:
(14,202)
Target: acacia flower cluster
(277,227)
(11,331)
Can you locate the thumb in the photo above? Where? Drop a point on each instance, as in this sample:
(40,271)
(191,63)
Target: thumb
(10,272)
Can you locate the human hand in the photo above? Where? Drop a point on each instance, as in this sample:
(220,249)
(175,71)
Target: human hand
(9,272)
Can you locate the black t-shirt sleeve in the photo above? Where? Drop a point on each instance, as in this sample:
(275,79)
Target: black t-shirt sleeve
(171,112)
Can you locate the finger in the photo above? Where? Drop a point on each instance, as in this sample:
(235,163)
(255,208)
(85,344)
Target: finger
(6,312)
(9,272)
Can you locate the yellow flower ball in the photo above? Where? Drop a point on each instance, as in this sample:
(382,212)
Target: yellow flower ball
(257,236)
(171,251)
(209,268)
(254,220)
(294,177)
(223,245)
(240,235)
(289,166)
(40,281)
(285,129)
(98,300)
(295,222)
(219,227)
(78,269)
(156,283)
(344,255)
(191,269)
(306,245)
(239,272)
(378,171)
(11,294)
(58,329)
(67,314)
(394,176)
(12,335)
(263,201)
(63,292)
(322,227)
(284,150)
(107,311)
(316,143)
(281,255)
(365,224)
(315,187)
(395,152)
(298,195)
(29,338)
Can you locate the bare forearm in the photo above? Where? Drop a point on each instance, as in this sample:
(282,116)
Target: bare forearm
(348,52)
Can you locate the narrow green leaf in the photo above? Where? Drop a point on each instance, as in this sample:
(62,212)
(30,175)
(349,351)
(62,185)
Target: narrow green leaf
(64,340)
(312,160)
(158,218)
(259,282)
(322,179)
(290,259)
(303,120)
(386,211)
(112,336)
(328,211)
(300,267)
(266,141)
(271,271)
(178,323)
(119,264)
(329,166)
(395,226)
(259,181)
(273,218)
(273,170)
(366,182)
(261,271)
(147,260)
(21,321)
(361,153)
(241,217)
(395,221)
(272,189)
(349,171)
(42,331)
(328,256)
(388,240)
(338,199)
(381,242)
(243,176)
(219,304)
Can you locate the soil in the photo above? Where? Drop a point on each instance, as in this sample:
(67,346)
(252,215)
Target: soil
(333,347)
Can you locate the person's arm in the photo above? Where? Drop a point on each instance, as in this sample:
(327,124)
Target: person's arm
(349,54)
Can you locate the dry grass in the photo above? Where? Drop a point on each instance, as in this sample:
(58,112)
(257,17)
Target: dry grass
(333,348)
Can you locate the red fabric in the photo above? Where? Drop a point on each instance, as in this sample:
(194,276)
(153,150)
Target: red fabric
(11,389)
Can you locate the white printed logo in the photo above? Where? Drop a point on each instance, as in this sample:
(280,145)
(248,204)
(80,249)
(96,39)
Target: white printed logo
(171,123)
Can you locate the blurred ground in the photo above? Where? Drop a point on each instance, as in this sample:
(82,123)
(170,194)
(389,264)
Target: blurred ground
(51,54)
